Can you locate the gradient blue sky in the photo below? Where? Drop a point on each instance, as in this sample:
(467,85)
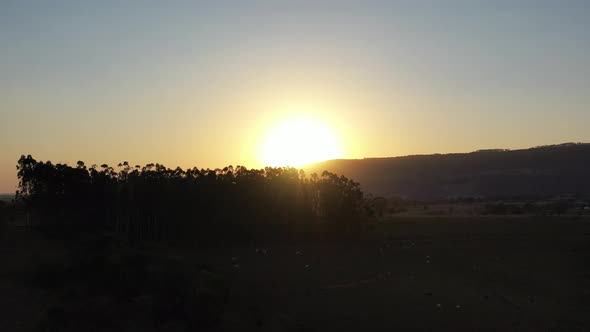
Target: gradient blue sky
(196,83)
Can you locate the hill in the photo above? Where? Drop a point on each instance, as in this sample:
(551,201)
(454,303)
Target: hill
(6,197)
(552,170)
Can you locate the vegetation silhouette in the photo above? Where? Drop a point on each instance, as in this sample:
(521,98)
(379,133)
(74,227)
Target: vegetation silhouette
(119,224)
(193,206)
(157,249)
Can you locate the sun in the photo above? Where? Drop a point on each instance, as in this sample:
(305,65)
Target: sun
(299,141)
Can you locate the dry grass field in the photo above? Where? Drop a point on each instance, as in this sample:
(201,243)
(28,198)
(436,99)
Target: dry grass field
(483,274)
(415,274)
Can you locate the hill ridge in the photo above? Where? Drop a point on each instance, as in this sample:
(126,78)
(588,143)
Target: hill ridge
(538,171)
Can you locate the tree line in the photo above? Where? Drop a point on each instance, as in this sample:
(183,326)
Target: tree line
(200,206)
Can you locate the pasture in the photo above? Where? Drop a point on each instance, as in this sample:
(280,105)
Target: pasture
(416,274)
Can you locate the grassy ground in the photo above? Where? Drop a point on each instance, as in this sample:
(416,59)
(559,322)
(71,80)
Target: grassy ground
(461,274)
(21,306)
(484,274)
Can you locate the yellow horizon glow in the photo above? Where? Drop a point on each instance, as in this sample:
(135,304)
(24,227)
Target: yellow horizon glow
(297,141)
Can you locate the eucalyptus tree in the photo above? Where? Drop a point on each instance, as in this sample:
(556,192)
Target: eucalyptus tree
(157,203)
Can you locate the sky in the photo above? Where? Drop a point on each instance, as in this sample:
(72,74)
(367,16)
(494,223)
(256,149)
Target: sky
(195,83)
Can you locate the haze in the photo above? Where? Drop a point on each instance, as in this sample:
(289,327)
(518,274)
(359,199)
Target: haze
(198,83)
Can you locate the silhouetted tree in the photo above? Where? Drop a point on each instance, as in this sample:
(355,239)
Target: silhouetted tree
(155,203)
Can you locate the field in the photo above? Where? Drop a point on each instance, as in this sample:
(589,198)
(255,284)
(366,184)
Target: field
(407,274)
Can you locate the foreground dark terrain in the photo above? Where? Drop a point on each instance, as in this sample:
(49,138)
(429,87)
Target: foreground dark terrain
(420,274)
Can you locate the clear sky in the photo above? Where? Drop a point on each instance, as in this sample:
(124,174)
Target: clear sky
(194,83)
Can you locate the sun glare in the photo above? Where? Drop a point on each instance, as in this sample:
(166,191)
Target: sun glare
(299,141)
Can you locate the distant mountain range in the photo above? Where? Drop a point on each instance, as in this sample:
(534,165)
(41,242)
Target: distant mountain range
(552,170)
(6,197)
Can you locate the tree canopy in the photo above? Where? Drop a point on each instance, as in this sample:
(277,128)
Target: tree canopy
(157,203)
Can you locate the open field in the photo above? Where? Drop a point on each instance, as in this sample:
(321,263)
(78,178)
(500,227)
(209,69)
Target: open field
(481,274)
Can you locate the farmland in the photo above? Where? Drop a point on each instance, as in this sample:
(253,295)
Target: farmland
(479,273)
